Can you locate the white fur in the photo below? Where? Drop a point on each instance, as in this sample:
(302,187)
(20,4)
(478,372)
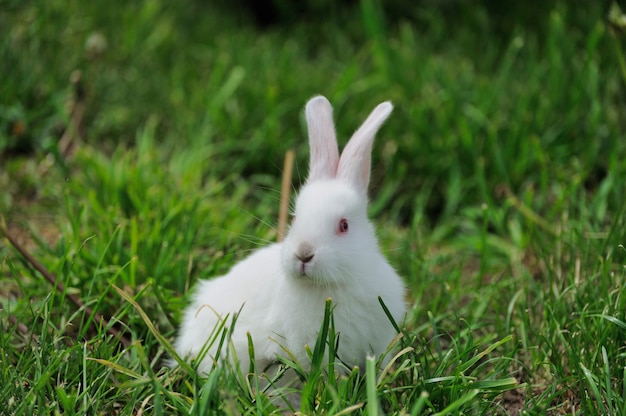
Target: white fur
(281,298)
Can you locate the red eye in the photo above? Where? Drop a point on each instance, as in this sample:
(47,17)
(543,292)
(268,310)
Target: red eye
(343,226)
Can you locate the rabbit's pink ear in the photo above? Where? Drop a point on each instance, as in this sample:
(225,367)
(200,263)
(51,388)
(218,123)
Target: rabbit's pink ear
(354,165)
(322,139)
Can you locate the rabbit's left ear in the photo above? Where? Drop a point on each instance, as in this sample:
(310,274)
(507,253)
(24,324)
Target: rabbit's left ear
(322,139)
(356,158)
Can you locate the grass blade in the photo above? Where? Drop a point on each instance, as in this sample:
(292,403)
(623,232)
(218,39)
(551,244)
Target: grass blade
(370,380)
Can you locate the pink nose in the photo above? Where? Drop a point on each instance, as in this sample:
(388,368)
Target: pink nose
(304,259)
(305,252)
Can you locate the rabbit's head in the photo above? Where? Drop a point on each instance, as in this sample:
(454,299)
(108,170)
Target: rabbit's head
(331,240)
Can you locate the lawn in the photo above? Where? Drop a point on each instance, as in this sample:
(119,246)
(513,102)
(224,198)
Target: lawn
(142,147)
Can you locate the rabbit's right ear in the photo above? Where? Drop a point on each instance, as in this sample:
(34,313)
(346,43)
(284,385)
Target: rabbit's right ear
(322,139)
(354,165)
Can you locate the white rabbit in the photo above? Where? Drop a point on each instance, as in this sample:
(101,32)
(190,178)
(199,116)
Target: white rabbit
(331,251)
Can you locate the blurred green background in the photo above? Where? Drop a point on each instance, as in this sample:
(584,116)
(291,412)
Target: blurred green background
(489,97)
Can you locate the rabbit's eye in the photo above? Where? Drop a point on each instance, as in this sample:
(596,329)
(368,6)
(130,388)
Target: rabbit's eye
(343,226)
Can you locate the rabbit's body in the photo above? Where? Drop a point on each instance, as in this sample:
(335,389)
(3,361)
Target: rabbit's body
(330,252)
(247,286)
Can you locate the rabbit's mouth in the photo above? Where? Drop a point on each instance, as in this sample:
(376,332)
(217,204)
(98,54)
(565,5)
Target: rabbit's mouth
(304,269)
(304,260)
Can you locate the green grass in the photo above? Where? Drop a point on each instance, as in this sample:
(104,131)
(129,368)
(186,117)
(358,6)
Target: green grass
(498,192)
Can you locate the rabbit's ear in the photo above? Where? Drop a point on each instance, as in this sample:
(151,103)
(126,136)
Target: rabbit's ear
(322,139)
(354,165)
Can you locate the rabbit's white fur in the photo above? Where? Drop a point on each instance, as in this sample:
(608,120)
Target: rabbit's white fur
(280,292)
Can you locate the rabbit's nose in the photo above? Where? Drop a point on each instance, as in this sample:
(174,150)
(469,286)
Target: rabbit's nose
(305,252)
(304,259)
